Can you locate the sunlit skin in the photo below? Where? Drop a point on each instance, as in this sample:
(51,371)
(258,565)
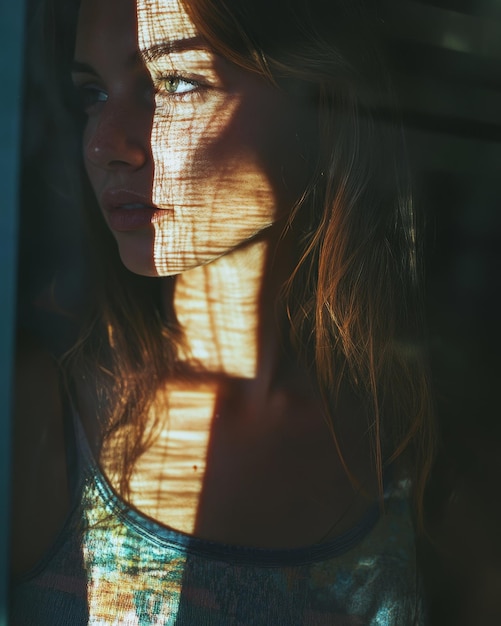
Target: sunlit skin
(214,151)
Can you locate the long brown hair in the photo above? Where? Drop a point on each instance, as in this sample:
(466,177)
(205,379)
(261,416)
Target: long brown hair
(353,299)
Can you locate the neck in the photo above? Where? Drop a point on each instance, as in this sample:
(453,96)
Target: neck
(227,311)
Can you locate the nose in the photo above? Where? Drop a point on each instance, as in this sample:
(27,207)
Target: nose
(117,139)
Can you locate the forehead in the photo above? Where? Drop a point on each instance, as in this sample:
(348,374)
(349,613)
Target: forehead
(162,20)
(132,24)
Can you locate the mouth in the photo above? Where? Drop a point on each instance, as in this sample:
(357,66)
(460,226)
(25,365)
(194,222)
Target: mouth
(134,205)
(127,211)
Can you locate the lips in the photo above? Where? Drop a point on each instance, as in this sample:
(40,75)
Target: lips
(128,211)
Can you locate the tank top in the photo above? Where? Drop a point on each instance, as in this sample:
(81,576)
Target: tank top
(111,565)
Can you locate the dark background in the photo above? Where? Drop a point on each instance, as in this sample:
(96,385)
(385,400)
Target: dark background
(446,55)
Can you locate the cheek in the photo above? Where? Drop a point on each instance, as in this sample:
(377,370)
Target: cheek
(259,148)
(227,168)
(87,136)
(173,146)
(92,143)
(191,153)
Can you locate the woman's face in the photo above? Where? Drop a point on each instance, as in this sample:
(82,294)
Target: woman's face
(189,156)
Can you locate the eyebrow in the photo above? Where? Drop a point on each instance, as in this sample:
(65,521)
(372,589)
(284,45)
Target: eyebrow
(168,47)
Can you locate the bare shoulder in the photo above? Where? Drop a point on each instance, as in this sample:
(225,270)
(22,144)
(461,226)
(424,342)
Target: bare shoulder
(39,482)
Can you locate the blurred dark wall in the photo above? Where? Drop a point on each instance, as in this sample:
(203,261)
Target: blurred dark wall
(446,56)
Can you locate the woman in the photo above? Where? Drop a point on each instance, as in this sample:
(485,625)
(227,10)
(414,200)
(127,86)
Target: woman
(248,396)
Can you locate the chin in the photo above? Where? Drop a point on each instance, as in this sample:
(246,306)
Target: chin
(137,260)
(140,269)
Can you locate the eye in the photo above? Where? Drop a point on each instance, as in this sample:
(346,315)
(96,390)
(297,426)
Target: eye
(177,85)
(89,95)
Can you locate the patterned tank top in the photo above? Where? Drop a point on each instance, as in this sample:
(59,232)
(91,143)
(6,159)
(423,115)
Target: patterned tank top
(113,566)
